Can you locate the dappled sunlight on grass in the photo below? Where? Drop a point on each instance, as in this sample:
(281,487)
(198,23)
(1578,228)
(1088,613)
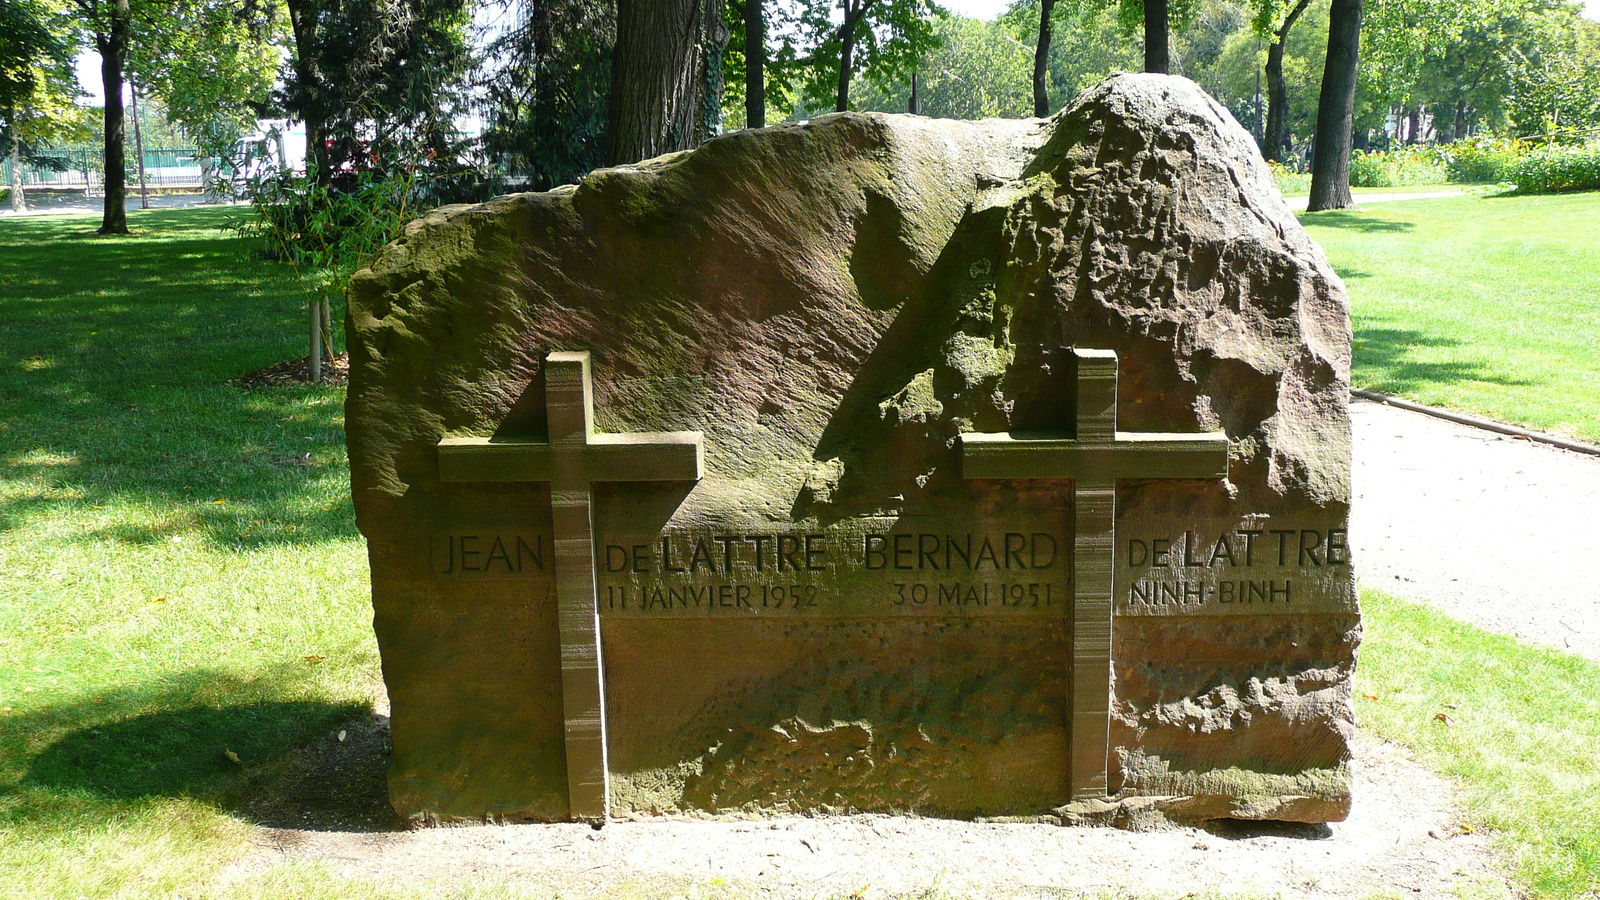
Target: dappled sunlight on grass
(180,573)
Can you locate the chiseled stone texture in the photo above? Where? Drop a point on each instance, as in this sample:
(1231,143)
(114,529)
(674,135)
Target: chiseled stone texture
(832,303)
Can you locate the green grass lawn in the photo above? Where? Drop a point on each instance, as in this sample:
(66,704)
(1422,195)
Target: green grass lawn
(180,578)
(1484,304)
(172,549)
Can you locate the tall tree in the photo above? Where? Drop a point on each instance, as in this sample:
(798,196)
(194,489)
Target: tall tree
(1275,136)
(656,78)
(212,63)
(110,23)
(35,81)
(1157,36)
(307,91)
(752,15)
(1041,60)
(1330,166)
(545,87)
(884,39)
(378,82)
(978,71)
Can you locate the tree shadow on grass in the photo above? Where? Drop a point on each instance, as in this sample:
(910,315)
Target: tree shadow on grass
(114,358)
(1355,221)
(293,769)
(1386,359)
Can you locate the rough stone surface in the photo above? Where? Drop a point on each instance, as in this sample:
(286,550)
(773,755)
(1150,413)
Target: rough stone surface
(832,304)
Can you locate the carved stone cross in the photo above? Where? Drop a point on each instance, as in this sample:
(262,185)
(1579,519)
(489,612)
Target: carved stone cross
(572,460)
(1094,458)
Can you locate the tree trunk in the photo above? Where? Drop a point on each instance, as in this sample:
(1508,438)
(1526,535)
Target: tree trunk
(113,46)
(1276,136)
(1041,56)
(1459,132)
(655,76)
(847,49)
(138,144)
(1415,126)
(914,102)
(755,64)
(1330,167)
(19,203)
(1156,57)
(713,80)
(308,71)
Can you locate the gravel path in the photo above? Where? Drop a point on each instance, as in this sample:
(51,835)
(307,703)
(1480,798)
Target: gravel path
(1493,530)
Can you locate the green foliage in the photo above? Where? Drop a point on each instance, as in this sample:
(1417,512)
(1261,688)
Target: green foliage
(381,77)
(1290,181)
(889,39)
(545,86)
(212,63)
(1089,43)
(1556,170)
(1397,168)
(975,72)
(327,232)
(1481,160)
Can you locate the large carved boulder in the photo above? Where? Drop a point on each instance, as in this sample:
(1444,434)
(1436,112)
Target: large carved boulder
(888,591)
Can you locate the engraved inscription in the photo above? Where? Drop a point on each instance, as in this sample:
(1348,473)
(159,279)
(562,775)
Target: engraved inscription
(864,568)
(488,553)
(1252,568)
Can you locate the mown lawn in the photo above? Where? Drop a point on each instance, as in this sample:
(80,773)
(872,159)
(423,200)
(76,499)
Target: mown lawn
(1485,304)
(181,579)
(173,549)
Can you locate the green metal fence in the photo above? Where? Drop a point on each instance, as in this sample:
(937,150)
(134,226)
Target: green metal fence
(164,167)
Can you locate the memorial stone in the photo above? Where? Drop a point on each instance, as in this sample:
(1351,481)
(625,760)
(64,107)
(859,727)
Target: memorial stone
(868,464)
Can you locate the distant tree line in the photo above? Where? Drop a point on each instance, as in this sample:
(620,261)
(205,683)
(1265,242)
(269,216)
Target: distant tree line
(562,86)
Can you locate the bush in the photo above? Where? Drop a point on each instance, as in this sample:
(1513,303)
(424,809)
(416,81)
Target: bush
(1289,181)
(1555,170)
(1397,168)
(1481,160)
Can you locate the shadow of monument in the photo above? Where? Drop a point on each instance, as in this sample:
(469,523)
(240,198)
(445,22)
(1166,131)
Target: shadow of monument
(293,770)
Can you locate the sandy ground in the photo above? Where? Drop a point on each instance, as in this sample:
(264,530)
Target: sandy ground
(1489,528)
(1492,529)
(1403,839)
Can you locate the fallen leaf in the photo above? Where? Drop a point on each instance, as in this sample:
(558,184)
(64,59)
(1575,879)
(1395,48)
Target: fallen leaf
(315,658)
(1451,706)
(341,737)
(159,600)
(1370,696)
(232,756)
(219,500)
(1441,717)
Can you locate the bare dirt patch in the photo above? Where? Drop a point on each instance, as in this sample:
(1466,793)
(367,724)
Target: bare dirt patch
(335,370)
(1405,838)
